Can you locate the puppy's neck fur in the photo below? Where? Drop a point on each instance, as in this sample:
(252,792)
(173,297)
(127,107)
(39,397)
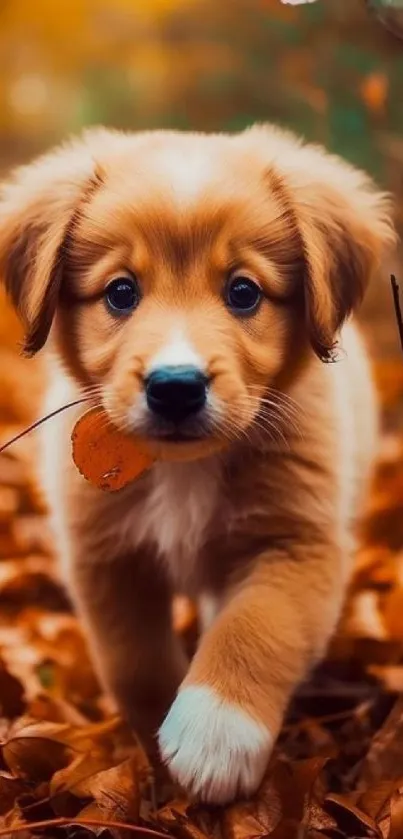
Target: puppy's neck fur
(177,509)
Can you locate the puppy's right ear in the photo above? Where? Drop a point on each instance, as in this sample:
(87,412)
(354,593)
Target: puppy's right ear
(39,207)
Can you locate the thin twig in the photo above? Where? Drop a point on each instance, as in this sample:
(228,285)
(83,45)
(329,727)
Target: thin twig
(39,422)
(63,822)
(398,311)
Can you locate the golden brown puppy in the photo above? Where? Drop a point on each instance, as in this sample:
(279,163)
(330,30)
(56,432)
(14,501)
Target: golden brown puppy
(194,285)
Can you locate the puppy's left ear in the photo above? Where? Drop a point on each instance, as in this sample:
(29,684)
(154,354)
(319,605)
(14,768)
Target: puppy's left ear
(38,210)
(341,226)
(345,225)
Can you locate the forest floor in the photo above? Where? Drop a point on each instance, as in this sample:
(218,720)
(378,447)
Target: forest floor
(69,769)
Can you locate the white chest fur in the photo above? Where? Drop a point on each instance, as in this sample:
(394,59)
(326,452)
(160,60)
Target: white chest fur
(176,511)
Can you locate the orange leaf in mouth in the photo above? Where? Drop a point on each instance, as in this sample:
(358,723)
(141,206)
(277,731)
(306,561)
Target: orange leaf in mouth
(104,455)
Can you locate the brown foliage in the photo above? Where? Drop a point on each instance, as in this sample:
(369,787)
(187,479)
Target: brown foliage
(68,768)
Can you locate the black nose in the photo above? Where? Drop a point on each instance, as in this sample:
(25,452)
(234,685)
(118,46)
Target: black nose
(176,392)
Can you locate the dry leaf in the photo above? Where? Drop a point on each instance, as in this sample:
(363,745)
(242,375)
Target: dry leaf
(104,455)
(285,794)
(384,760)
(12,702)
(32,752)
(181,820)
(117,790)
(350,816)
(396,815)
(38,750)
(10,788)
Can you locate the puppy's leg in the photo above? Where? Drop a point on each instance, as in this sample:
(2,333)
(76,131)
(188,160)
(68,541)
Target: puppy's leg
(219,733)
(125,605)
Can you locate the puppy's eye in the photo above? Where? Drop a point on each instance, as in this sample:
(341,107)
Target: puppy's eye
(242,295)
(122,295)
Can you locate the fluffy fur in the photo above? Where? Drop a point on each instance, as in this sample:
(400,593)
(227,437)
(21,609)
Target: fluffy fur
(260,531)
(229,758)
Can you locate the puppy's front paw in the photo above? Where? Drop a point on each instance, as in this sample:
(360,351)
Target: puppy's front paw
(212,748)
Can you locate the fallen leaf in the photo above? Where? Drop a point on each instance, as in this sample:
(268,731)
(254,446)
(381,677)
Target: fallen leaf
(10,789)
(12,702)
(396,815)
(181,821)
(51,709)
(38,750)
(349,816)
(32,752)
(384,760)
(117,790)
(75,777)
(285,793)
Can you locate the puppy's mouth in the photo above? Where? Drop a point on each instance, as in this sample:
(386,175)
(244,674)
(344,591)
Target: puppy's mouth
(192,440)
(177,434)
(177,437)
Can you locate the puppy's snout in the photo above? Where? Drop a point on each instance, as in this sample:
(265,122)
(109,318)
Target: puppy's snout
(176,392)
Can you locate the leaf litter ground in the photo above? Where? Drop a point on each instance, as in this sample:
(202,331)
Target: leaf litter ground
(70,768)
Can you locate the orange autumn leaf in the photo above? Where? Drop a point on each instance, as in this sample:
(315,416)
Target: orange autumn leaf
(104,455)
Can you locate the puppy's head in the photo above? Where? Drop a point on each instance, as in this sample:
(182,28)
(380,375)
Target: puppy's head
(184,276)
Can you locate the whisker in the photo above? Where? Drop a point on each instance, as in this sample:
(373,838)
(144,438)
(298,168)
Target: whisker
(255,428)
(280,396)
(267,425)
(219,425)
(116,420)
(277,411)
(281,416)
(231,430)
(277,403)
(266,421)
(122,423)
(262,424)
(274,391)
(286,418)
(223,431)
(291,409)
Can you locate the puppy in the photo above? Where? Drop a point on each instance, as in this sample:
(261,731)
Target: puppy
(194,285)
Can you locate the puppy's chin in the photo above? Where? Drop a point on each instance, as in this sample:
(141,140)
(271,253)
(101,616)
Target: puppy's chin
(190,440)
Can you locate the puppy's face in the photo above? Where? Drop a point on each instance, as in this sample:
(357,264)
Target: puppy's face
(189,274)
(179,284)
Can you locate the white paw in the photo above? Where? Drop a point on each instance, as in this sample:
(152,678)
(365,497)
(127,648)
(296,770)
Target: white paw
(212,748)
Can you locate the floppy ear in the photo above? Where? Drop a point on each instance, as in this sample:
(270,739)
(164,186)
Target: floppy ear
(38,210)
(343,223)
(346,228)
